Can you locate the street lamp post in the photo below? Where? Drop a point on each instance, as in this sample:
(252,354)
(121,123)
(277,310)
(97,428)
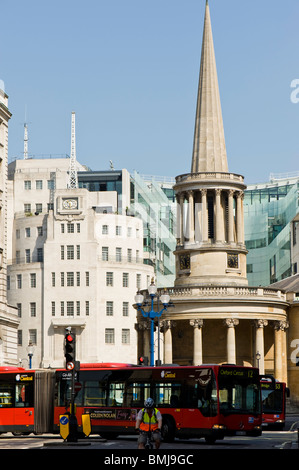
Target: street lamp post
(30,351)
(141,302)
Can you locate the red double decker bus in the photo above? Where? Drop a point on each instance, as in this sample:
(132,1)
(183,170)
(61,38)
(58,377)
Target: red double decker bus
(209,401)
(274,394)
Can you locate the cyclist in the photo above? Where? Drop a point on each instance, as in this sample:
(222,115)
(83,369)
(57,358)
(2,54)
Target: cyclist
(148,419)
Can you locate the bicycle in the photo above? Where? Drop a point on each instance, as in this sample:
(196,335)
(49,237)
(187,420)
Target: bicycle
(149,439)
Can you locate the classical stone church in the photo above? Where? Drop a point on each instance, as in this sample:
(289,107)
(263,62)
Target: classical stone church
(217,317)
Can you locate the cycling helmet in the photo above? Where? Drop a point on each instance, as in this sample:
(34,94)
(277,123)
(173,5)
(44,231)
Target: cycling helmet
(149,403)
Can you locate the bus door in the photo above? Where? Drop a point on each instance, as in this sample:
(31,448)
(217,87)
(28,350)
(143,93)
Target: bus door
(24,400)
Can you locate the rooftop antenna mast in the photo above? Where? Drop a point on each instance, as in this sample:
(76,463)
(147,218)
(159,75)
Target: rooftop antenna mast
(25,137)
(73,177)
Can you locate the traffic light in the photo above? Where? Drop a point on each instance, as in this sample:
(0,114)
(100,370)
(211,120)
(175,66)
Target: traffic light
(143,361)
(69,350)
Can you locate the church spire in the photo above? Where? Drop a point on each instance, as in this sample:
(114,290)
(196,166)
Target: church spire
(209,152)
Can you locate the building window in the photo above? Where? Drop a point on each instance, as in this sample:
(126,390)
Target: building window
(62,228)
(70,308)
(32,309)
(138,281)
(18,233)
(70,279)
(32,279)
(125,336)
(87,278)
(53,309)
(87,307)
(40,231)
(78,252)
(39,184)
(62,279)
(109,308)
(109,279)
(104,229)
(40,255)
(118,254)
(27,232)
(27,184)
(78,307)
(27,256)
(118,230)
(62,252)
(105,253)
(70,252)
(20,338)
(129,255)
(78,278)
(62,308)
(18,257)
(19,307)
(53,279)
(38,208)
(109,335)
(125,279)
(27,208)
(70,228)
(125,309)
(8,282)
(51,184)
(32,336)
(78,228)
(19,281)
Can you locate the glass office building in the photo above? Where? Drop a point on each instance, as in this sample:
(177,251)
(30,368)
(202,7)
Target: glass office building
(268,213)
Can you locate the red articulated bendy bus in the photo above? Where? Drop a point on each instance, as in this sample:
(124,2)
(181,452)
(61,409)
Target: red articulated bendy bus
(208,401)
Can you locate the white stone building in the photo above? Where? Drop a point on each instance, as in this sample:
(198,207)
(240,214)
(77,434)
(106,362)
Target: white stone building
(8,317)
(74,262)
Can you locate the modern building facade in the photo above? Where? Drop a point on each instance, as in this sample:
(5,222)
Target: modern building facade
(74,261)
(8,317)
(151,199)
(271,216)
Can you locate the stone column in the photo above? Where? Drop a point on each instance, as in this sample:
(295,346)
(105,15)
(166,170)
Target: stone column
(259,343)
(197,341)
(280,351)
(231,340)
(182,235)
(231,221)
(204,215)
(190,216)
(178,221)
(240,222)
(219,221)
(166,326)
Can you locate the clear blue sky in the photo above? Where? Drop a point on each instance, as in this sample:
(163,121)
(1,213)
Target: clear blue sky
(129,69)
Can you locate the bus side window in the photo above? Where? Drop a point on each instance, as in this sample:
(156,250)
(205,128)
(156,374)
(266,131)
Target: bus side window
(6,395)
(24,395)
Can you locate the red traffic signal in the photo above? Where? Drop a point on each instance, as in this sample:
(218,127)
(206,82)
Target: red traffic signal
(143,361)
(69,349)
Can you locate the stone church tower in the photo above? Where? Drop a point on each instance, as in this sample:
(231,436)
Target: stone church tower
(216,317)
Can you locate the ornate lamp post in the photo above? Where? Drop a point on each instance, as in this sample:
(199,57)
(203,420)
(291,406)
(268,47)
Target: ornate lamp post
(152,314)
(30,351)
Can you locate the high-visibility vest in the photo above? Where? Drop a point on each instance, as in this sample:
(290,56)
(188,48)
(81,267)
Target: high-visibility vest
(149,423)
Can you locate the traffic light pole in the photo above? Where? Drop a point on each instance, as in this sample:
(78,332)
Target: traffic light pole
(73,435)
(70,352)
